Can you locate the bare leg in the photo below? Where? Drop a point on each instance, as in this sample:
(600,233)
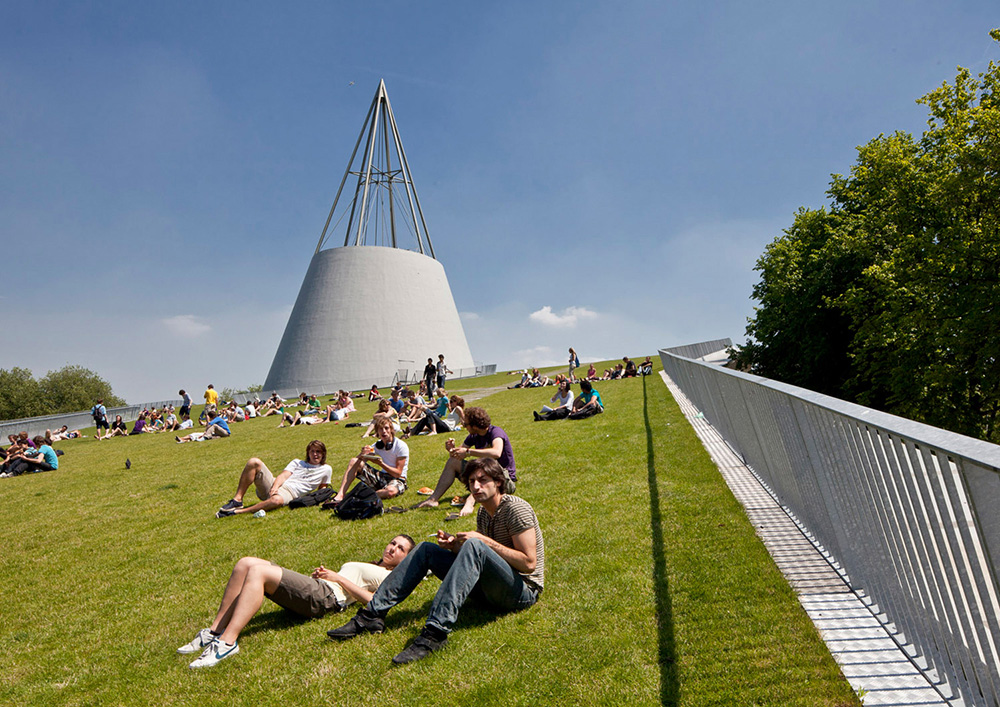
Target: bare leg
(247,477)
(469,506)
(387,492)
(243,595)
(352,472)
(448,475)
(269,504)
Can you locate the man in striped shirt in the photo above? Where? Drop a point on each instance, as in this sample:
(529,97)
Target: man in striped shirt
(501,564)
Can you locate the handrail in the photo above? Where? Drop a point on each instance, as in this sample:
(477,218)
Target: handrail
(908,510)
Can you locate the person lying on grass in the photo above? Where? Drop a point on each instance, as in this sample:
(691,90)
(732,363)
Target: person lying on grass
(299,419)
(322,592)
(501,565)
(62,433)
(484,440)
(382,467)
(298,479)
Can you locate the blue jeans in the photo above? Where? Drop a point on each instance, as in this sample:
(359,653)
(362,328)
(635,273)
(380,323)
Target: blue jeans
(475,570)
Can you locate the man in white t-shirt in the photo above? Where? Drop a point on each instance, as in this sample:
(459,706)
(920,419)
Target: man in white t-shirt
(298,478)
(383,467)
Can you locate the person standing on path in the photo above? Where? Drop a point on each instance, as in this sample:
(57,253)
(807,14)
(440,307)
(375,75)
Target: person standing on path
(430,375)
(442,371)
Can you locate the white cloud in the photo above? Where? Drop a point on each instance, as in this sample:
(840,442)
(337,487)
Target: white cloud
(469,316)
(567,320)
(540,356)
(186,326)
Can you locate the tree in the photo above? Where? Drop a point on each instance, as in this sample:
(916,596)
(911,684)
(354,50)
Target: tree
(73,388)
(890,296)
(19,394)
(798,334)
(70,389)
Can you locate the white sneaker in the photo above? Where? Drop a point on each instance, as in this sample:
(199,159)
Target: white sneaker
(217,650)
(198,643)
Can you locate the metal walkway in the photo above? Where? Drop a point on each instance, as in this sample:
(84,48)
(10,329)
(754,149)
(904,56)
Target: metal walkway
(873,663)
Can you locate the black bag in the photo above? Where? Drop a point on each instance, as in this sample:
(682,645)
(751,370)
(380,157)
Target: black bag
(313,498)
(360,502)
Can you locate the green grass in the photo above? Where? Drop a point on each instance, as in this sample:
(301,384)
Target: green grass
(657,589)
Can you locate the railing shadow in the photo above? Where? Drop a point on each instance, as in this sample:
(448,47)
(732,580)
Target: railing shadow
(661,589)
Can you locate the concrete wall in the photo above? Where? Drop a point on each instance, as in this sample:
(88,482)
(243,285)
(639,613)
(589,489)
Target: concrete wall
(362,314)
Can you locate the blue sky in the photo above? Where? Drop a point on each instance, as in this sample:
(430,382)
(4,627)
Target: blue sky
(596,175)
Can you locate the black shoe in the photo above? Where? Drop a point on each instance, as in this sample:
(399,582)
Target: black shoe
(225,513)
(537,416)
(429,640)
(363,622)
(231,505)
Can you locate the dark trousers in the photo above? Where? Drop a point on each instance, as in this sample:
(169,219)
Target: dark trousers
(425,422)
(585,412)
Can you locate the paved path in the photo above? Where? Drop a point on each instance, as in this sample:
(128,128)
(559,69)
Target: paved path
(477,393)
(870,659)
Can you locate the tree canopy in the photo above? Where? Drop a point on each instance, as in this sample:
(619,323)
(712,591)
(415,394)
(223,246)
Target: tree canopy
(889,295)
(70,389)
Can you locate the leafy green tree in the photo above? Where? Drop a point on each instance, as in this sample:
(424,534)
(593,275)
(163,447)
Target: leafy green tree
(798,334)
(19,396)
(73,388)
(70,389)
(890,296)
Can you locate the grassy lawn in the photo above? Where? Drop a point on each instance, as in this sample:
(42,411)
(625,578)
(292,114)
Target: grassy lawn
(657,589)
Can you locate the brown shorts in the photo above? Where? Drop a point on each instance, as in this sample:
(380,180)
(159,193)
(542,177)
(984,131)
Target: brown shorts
(263,482)
(305,596)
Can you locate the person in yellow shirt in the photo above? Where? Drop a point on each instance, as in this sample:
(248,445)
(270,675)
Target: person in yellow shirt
(211,397)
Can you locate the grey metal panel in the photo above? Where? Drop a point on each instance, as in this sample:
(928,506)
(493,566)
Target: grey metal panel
(908,511)
(74,420)
(701,349)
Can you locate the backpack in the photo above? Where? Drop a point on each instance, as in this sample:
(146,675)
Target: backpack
(313,498)
(360,502)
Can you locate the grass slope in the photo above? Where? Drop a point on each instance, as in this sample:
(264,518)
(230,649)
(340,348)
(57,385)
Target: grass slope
(657,589)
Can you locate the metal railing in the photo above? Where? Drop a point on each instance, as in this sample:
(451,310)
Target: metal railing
(909,511)
(74,420)
(701,349)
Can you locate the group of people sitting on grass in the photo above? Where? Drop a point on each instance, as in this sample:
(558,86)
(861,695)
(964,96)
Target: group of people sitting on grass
(533,378)
(315,414)
(626,369)
(565,405)
(216,427)
(26,456)
(501,564)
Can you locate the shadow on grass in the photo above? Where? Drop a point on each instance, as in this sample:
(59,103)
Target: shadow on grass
(661,589)
(285,618)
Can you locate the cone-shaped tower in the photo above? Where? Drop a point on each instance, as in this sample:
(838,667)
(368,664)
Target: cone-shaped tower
(370,309)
